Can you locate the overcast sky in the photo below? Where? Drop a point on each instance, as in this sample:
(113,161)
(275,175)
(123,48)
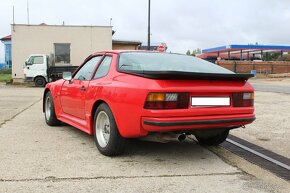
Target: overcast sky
(182,24)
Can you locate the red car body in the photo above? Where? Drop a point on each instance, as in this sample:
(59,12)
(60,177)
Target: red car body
(75,102)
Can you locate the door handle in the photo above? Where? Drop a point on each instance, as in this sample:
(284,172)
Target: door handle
(83,89)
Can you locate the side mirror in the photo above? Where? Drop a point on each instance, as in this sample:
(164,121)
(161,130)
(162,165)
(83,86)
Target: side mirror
(27,63)
(67,76)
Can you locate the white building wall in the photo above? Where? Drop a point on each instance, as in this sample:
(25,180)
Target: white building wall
(40,39)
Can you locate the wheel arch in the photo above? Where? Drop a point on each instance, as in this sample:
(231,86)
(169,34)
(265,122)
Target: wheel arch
(43,98)
(94,108)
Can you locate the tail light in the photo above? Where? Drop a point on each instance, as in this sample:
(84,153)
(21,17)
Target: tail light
(243,99)
(167,101)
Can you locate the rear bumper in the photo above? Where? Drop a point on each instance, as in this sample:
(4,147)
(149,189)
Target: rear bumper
(153,124)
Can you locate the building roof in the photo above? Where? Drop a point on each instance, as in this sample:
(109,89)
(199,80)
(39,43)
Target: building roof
(47,25)
(127,42)
(6,38)
(246,48)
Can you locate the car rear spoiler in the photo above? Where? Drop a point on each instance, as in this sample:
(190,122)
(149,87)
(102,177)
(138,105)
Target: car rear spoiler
(177,75)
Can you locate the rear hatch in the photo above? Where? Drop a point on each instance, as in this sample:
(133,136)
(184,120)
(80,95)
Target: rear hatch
(205,97)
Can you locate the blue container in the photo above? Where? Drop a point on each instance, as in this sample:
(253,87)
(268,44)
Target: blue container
(254,72)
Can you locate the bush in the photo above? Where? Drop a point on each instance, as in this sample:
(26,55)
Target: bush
(6,71)
(285,57)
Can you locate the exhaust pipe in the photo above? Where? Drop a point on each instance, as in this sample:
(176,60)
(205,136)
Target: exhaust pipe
(181,137)
(164,137)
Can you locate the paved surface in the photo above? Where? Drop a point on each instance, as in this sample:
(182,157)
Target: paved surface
(272,85)
(272,88)
(39,158)
(271,129)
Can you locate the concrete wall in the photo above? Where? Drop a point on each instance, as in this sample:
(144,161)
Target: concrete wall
(40,39)
(117,46)
(265,67)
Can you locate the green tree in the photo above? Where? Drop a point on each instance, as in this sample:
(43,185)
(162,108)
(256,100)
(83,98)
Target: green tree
(188,52)
(196,52)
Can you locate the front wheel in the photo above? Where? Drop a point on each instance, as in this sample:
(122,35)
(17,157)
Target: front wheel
(39,81)
(49,111)
(106,134)
(213,140)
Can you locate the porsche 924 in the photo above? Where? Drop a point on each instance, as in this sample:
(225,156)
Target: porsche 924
(118,95)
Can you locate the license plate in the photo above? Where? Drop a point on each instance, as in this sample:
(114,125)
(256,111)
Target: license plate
(210,101)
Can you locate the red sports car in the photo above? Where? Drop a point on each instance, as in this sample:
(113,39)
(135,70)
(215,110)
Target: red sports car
(117,95)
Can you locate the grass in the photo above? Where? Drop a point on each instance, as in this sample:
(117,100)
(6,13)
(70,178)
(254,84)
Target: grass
(5,77)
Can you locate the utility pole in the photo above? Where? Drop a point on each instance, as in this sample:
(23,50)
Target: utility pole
(27,12)
(13,19)
(149,7)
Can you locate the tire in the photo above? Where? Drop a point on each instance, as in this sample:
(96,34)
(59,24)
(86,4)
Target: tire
(39,81)
(106,134)
(49,111)
(213,140)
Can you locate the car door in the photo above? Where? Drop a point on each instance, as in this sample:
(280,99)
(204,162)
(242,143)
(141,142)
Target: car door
(73,93)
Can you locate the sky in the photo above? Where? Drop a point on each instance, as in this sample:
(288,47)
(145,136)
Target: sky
(183,25)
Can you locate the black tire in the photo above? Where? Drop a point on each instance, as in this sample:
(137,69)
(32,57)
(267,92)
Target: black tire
(39,81)
(213,140)
(49,111)
(115,143)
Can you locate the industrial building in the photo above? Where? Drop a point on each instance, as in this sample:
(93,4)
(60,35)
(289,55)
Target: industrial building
(69,45)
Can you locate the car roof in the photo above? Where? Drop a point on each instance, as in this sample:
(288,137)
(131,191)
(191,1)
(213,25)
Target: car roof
(120,51)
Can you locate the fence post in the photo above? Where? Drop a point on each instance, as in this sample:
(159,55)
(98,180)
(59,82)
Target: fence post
(272,68)
(235,66)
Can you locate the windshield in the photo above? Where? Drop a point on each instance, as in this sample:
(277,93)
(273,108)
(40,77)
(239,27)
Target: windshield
(151,61)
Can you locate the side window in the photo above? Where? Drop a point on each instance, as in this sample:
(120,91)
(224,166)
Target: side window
(104,67)
(87,69)
(36,60)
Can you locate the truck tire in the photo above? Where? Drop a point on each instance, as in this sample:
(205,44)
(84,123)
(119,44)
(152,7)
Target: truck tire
(39,81)
(106,134)
(49,111)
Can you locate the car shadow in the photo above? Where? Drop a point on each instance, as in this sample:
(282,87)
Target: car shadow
(135,147)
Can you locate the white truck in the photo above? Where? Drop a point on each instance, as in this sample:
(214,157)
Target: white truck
(41,69)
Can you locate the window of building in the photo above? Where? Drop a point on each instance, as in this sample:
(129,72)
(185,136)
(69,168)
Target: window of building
(104,67)
(62,53)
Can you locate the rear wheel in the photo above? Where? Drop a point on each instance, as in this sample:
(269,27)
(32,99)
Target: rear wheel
(213,140)
(39,81)
(49,111)
(106,134)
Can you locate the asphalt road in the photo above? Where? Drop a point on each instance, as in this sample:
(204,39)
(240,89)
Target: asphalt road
(271,88)
(37,158)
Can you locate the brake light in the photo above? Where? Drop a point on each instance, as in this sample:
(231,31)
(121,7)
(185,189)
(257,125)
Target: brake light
(167,101)
(243,99)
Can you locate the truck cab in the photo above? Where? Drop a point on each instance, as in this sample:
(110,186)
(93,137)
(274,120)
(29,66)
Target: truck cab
(35,69)
(41,69)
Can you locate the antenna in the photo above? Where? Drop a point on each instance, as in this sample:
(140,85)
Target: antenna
(27,12)
(111,21)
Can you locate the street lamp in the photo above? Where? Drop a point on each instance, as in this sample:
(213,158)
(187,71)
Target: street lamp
(149,7)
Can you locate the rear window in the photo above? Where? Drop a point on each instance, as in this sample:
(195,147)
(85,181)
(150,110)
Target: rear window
(150,61)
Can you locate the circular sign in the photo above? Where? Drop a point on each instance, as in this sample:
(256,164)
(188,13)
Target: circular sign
(162,47)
